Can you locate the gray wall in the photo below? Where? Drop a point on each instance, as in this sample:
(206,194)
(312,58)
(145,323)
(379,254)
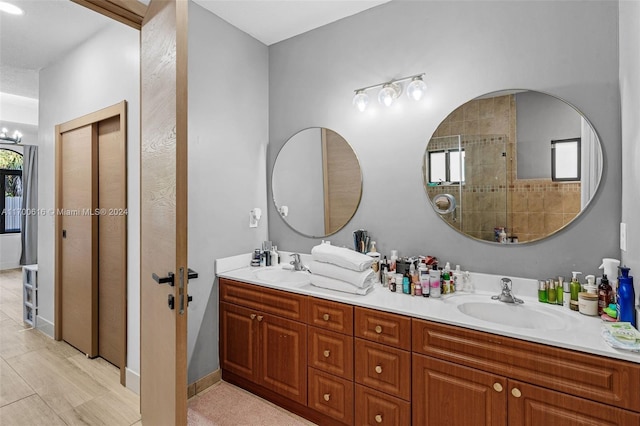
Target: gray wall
(568,49)
(101,72)
(630,94)
(541,119)
(228,128)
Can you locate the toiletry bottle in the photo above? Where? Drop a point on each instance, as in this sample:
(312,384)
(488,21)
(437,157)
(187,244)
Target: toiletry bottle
(393,258)
(566,289)
(575,286)
(418,289)
(626,297)
(604,294)
(384,274)
(392,284)
(590,286)
(434,283)
(373,253)
(275,256)
(458,279)
(542,291)
(502,237)
(559,293)
(445,282)
(406,288)
(551,292)
(423,272)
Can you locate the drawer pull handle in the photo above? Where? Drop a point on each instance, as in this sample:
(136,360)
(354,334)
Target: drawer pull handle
(378,329)
(252,316)
(326,397)
(325,317)
(497,387)
(326,353)
(516,392)
(378,418)
(260,317)
(378,369)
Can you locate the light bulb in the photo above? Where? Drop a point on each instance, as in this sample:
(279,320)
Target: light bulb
(388,94)
(360,100)
(416,88)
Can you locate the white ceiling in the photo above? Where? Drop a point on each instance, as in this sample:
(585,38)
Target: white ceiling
(50,28)
(272,21)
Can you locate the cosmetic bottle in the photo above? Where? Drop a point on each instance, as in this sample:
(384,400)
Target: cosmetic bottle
(551,292)
(434,283)
(406,288)
(542,291)
(559,293)
(423,272)
(566,290)
(275,256)
(604,294)
(393,258)
(458,279)
(446,289)
(626,297)
(575,285)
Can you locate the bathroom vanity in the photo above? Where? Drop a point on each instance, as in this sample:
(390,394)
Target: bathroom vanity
(392,359)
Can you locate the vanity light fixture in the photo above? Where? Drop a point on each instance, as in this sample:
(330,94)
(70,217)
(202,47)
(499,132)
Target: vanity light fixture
(390,91)
(16,138)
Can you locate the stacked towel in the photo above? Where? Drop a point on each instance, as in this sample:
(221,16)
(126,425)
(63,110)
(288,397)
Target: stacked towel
(341,269)
(341,256)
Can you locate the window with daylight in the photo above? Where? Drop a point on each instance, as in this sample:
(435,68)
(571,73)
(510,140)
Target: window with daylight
(446,167)
(565,160)
(11,188)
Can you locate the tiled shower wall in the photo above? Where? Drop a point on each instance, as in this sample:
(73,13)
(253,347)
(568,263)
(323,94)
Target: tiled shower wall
(534,207)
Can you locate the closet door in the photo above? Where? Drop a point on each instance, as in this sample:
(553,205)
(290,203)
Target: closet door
(78,243)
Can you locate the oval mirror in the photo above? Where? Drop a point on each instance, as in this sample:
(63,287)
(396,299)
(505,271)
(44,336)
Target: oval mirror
(518,161)
(316,182)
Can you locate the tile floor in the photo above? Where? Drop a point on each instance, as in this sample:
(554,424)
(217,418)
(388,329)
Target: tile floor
(44,382)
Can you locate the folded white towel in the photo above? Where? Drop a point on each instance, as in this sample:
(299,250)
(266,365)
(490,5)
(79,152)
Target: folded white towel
(333,284)
(359,279)
(341,256)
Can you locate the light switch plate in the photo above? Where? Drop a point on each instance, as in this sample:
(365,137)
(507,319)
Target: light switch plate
(623,236)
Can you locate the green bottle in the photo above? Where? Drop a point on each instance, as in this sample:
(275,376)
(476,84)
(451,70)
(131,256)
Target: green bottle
(559,293)
(575,286)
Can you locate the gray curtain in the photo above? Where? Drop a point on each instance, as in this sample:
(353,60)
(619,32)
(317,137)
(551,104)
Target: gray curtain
(29,223)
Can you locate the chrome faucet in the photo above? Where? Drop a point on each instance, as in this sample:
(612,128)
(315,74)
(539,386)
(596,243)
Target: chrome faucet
(297,263)
(506,295)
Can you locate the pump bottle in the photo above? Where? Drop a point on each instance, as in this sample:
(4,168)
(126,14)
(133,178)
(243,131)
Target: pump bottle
(626,297)
(574,286)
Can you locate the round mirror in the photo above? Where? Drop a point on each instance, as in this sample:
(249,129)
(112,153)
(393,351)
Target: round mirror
(516,161)
(316,182)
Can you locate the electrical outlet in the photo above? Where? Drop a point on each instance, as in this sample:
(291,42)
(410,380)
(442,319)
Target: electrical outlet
(623,236)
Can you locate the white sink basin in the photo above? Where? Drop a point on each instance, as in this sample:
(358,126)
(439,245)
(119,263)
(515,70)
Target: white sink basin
(528,315)
(283,276)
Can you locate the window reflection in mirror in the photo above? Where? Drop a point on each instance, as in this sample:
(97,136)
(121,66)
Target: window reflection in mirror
(508,180)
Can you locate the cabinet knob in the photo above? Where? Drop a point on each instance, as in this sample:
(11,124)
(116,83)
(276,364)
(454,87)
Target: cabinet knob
(516,392)
(378,329)
(378,418)
(378,369)
(326,397)
(326,353)
(325,317)
(497,387)
(252,316)
(260,317)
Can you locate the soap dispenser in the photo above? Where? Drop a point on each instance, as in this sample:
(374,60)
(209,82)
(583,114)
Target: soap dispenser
(575,289)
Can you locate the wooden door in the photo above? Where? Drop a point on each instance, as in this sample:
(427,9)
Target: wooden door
(163,188)
(77,251)
(238,340)
(449,394)
(533,405)
(283,357)
(112,247)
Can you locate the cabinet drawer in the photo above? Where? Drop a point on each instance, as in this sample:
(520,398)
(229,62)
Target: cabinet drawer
(383,327)
(331,396)
(597,378)
(333,316)
(385,368)
(331,352)
(376,408)
(267,300)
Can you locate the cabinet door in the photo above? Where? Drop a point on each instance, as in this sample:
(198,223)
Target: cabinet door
(238,340)
(533,405)
(453,395)
(331,352)
(283,357)
(384,368)
(331,396)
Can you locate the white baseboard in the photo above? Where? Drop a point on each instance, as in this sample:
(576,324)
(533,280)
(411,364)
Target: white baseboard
(133,380)
(45,326)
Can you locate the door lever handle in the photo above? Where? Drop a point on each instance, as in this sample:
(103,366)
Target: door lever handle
(191,274)
(169,279)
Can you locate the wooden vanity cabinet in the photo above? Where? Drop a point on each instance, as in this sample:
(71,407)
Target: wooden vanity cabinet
(264,348)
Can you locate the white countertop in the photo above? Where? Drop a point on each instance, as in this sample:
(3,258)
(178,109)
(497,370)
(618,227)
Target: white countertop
(574,330)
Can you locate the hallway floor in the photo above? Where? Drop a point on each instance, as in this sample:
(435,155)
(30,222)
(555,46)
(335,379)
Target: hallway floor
(45,382)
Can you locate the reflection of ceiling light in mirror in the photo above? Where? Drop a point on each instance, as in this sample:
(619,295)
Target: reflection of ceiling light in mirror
(10,8)
(388,94)
(360,100)
(416,88)
(16,138)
